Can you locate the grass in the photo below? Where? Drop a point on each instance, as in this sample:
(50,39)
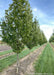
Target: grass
(8,51)
(5,52)
(4,63)
(45,63)
(52,43)
(1,44)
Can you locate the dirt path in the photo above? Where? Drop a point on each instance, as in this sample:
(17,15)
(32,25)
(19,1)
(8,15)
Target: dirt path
(6,55)
(25,64)
(4,47)
(52,45)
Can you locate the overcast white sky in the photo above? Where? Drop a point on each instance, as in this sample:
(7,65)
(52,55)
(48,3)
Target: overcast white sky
(48,30)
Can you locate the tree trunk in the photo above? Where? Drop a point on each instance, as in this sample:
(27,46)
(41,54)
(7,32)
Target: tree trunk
(17,64)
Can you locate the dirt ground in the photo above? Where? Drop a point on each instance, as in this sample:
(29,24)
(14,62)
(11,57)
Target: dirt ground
(52,45)
(26,64)
(6,55)
(4,47)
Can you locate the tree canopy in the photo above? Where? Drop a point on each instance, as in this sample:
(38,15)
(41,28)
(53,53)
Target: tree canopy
(52,38)
(18,27)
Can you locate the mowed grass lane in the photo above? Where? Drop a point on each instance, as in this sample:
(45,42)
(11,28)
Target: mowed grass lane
(45,63)
(4,63)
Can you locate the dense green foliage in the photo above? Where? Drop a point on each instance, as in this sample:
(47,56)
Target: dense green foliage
(8,61)
(18,28)
(45,63)
(51,38)
(38,36)
(42,38)
(35,27)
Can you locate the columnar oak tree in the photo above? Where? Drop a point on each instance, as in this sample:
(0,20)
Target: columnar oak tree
(17,26)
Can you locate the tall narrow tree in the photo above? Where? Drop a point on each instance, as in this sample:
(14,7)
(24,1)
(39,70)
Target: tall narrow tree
(35,31)
(17,26)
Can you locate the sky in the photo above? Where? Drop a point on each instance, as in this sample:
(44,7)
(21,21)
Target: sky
(43,10)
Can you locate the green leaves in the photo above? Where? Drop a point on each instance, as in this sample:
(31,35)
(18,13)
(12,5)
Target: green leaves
(51,38)
(18,28)
(42,38)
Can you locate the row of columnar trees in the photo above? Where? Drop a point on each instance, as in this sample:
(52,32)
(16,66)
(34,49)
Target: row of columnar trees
(19,29)
(52,38)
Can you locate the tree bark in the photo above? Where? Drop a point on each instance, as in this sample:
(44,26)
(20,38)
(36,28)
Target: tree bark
(17,64)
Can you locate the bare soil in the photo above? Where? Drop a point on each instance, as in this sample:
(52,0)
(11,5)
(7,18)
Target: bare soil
(26,64)
(6,55)
(4,47)
(52,45)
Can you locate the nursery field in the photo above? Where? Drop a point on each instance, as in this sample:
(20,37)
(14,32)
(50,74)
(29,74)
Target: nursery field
(26,37)
(45,62)
(11,59)
(43,65)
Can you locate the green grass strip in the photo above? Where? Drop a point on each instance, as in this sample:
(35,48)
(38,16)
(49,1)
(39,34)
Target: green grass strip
(4,63)
(52,43)
(6,52)
(45,63)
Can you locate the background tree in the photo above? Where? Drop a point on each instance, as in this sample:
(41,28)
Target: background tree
(41,37)
(44,40)
(38,36)
(52,37)
(35,27)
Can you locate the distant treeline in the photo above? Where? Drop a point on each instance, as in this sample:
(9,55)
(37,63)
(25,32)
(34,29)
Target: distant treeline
(52,38)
